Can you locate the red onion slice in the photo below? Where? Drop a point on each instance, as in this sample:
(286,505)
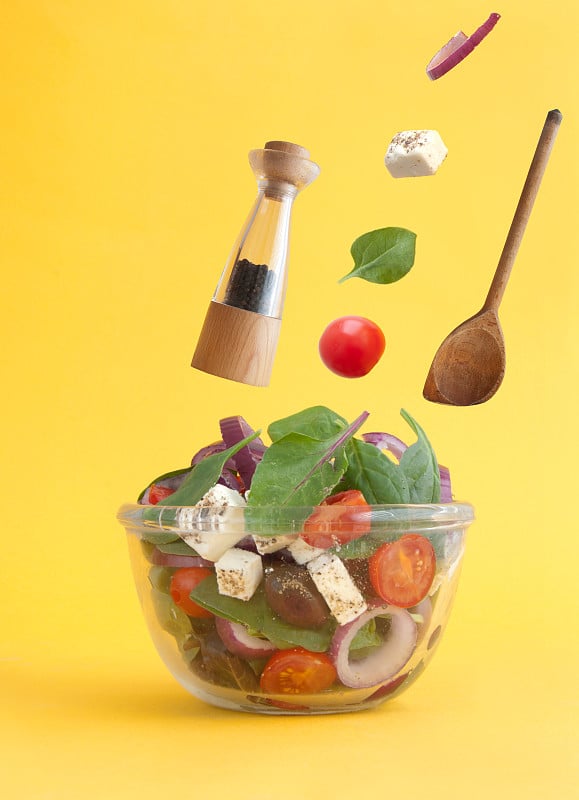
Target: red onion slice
(445,485)
(386,441)
(458,48)
(233,430)
(172,560)
(385,661)
(241,643)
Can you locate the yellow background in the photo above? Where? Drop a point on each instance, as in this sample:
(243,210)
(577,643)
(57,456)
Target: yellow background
(123,184)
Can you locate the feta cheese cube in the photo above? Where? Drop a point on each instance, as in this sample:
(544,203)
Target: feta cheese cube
(239,573)
(336,586)
(414,154)
(202,526)
(303,552)
(270,544)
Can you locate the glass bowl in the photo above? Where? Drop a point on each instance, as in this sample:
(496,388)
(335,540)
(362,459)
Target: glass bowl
(258,610)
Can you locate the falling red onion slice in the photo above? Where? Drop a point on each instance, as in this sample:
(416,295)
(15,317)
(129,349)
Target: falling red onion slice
(458,48)
(241,643)
(233,430)
(385,661)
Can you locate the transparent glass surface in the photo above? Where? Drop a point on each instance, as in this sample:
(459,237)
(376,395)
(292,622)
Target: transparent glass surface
(375,656)
(255,276)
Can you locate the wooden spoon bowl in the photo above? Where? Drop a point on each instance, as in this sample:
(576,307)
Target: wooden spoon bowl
(470,364)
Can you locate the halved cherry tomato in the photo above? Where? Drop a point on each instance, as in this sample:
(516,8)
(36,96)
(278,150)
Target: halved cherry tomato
(334,522)
(297,671)
(183,582)
(158,492)
(402,572)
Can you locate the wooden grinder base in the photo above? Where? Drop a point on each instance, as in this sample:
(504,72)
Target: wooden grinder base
(237,344)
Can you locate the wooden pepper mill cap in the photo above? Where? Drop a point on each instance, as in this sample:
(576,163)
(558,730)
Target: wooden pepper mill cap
(284,162)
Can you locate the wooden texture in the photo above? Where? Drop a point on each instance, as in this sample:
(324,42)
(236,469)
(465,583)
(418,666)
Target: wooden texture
(237,344)
(469,365)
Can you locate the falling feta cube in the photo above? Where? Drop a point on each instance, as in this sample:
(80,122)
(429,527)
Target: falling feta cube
(413,154)
(202,526)
(239,573)
(336,586)
(303,552)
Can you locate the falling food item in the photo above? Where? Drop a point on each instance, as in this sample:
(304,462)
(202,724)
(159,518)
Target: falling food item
(458,48)
(413,154)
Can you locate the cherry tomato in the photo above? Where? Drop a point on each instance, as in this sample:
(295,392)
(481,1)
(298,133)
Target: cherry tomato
(158,492)
(297,671)
(351,346)
(334,522)
(402,572)
(183,581)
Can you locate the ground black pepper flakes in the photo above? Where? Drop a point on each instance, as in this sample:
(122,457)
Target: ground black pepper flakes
(250,286)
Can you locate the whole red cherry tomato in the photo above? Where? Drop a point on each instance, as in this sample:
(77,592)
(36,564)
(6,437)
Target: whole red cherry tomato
(351,346)
(183,582)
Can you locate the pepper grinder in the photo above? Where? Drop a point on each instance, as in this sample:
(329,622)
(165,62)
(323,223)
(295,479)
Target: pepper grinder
(239,337)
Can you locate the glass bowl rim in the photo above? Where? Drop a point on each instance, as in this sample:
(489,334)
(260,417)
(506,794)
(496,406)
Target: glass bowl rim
(277,520)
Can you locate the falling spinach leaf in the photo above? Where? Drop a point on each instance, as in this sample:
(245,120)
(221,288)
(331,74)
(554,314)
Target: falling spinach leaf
(383,256)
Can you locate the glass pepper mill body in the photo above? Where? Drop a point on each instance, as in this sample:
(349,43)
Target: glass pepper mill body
(239,336)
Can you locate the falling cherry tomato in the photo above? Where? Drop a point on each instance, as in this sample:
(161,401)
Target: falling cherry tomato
(351,346)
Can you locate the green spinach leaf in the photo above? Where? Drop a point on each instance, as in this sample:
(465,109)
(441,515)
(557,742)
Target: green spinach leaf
(420,466)
(318,422)
(202,477)
(258,617)
(298,470)
(383,256)
(375,475)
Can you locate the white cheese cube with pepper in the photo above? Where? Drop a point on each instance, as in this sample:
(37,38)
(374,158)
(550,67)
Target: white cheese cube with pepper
(271,544)
(413,154)
(201,526)
(239,573)
(336,586)
(303,552)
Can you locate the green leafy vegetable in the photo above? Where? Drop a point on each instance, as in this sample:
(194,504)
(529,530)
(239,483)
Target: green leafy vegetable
(298,470)
(258,617)
(318,422)
(383,256)
(202,477)
(163,477)
(420,466)
(375,475)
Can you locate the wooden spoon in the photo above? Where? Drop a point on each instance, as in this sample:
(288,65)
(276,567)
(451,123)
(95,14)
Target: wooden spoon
(469,365)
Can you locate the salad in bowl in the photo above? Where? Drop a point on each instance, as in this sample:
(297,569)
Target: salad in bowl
(311,575)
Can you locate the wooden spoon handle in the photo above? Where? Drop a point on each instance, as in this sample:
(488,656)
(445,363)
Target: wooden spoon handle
(523,211)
